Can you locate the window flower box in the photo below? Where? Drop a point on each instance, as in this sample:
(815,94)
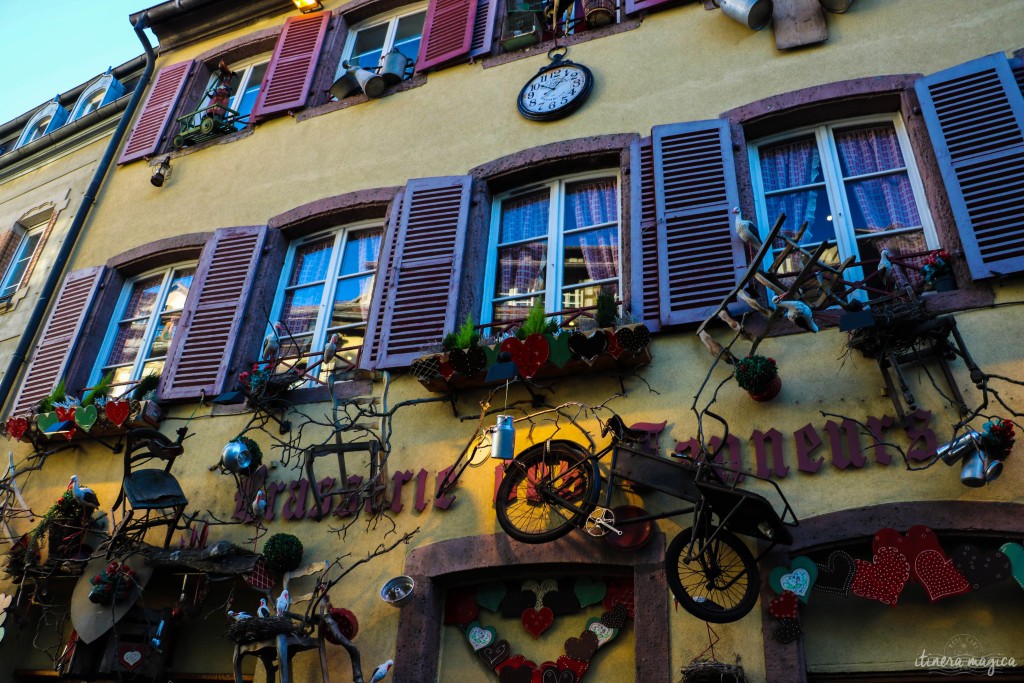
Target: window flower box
(539,356)
(113,418)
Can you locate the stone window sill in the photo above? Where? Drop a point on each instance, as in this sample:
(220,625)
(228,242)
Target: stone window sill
(185,151)
(408,84)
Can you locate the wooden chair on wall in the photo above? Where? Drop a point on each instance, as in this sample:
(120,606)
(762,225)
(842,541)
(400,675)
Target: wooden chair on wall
(149,496)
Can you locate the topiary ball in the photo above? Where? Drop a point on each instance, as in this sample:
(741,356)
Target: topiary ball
(283,552)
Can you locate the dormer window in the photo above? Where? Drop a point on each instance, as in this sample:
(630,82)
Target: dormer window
(101,92)
(45,121)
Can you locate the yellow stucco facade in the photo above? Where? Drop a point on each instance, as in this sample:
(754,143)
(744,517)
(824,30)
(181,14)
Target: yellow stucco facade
(680,64)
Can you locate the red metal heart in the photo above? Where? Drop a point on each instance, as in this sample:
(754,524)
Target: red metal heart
(461,608)
(16,427)
(784,606)
(576,666)
(528,355)
(938,575)
(117,411)
(65,414)
(620,592)
(517,669)
(884,579)
(614,347)
(536,621)
(582,648)
(446,370)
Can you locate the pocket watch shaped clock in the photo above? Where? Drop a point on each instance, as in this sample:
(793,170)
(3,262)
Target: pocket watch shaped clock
(557,90)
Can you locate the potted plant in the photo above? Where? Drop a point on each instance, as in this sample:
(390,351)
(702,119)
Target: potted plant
(64,525)
(938,271)
(997,438)
(759,376)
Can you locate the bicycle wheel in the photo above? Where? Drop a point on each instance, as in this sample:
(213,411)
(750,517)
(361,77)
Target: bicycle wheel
(720,585)
(547,490)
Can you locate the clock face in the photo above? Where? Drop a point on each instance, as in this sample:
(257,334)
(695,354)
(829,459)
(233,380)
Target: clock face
(555,92)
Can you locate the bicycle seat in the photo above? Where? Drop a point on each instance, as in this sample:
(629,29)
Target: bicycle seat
(621,432)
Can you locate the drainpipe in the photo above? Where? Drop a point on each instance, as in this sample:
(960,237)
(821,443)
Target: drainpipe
(71,238)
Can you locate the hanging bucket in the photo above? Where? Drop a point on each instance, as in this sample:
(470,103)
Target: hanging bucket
(372,83)
(394,67)
(599,12)
(346,85)
(754,14)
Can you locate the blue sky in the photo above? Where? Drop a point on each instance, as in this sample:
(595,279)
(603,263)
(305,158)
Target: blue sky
(52,46)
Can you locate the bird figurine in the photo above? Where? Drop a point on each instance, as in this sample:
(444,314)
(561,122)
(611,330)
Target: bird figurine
(283,602)
(885,265)
(83,494)
(263,611)
(753,303)
(382,671)
(259,504)
(330,351)
(746,230)
(272,343)
(798,313)
(736,325)
(239,616)
(716,349)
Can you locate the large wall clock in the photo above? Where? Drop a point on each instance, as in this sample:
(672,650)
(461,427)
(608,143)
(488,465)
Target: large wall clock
(557,90)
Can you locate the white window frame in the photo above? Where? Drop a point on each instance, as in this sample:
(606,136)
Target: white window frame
(25,234)
(147,338)
(341,233)
(555,240)
(107,87)
(846,239)
(45,114)
(389,40)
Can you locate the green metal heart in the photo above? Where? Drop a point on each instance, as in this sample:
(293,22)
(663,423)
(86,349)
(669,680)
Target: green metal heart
(46,420)
(798,578)
(480,637)
(491,352)
(86,416)
(603,633)
(490,596)
(1015,553)
(590,590)
(560,353)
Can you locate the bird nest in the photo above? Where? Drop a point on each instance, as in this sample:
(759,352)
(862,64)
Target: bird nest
(710,671)
(255,629)
(893,331)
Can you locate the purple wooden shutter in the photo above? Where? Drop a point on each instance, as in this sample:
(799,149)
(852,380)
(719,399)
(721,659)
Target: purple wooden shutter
(290,72)
(699,260)
(646,300)
(201,349)
(57,342)
(156,112)
(639,5)
(371,342)
(483,28)
(447,32)
(975,117)
(423,288)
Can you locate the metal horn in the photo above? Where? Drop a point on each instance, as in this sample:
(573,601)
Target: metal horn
(966,443)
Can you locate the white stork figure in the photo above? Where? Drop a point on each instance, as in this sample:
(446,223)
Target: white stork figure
(263,611)
(83,494)
(259,504)
(283,602)
(746,230)
(753,303)
(798,313)
(239,616)
(272,343)
(382,671)
(330,351)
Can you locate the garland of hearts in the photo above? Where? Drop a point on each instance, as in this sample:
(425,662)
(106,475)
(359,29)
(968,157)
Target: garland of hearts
(537,604)
(897,559)
(530,354)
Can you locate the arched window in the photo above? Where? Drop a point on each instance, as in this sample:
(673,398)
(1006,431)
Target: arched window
(46,120)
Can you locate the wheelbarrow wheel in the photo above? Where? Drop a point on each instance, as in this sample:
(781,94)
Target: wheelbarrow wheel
(546,492)
(207,126)
(720,584)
